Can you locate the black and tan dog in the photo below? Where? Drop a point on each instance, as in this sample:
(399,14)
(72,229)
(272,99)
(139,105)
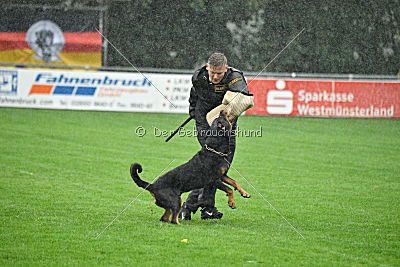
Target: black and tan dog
(208,166)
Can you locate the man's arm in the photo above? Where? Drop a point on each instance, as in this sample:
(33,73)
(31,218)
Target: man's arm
(192,102)
(193,94)
(237,99)
(238,83)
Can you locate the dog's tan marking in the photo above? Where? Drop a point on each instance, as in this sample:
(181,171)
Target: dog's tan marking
(229,193)
(153,197)
(224,169)
(227,119)
(236,186)
(177,217)
(231,201)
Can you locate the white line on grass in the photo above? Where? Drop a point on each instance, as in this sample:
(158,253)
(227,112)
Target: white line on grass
(266,200)
(127,60)
(133,200)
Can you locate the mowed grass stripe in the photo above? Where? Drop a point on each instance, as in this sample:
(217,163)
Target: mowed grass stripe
(64,175)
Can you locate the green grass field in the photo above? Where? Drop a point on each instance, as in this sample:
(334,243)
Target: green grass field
(65,177)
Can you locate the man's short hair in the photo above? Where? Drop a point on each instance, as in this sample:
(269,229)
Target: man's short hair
(217,60)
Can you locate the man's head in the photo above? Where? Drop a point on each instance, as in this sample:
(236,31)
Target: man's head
(217,66)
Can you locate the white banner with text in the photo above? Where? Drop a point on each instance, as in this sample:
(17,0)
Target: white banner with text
(86,90)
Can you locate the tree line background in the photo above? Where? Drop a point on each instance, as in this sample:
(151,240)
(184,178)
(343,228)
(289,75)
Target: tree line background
(360,37)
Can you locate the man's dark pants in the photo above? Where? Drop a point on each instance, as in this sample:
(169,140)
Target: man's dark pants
(205,197)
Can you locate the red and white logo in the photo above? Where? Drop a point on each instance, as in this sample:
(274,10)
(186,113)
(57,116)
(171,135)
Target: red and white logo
(280,101)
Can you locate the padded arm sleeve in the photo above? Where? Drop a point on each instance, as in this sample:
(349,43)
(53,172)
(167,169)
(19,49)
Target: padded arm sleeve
(234,103)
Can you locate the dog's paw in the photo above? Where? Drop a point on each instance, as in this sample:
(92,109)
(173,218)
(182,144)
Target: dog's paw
(232,204)
(245,194)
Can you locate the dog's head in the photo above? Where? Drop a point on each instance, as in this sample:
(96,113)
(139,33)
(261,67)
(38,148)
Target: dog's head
(221,125)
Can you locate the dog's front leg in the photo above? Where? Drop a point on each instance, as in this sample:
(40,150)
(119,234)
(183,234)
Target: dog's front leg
(235,185)
(229,193)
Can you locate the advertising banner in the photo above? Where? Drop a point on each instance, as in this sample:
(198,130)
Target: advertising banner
(109,91)
(320,98)
(136,92)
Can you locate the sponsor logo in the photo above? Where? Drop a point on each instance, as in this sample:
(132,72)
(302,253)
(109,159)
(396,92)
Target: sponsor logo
(46,39)
(279,101)
(324,96)
(62,90)
(8,82)
(62,84)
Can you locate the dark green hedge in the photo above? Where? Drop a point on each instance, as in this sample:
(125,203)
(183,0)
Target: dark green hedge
(360,37)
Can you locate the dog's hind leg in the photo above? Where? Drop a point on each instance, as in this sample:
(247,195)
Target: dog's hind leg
(229,193)
(176,209)
(165,217)
(235,185)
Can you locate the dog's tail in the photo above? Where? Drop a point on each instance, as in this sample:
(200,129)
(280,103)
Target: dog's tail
(135,169)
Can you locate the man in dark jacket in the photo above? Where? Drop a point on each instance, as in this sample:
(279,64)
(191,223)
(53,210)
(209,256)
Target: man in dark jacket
(210,83)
